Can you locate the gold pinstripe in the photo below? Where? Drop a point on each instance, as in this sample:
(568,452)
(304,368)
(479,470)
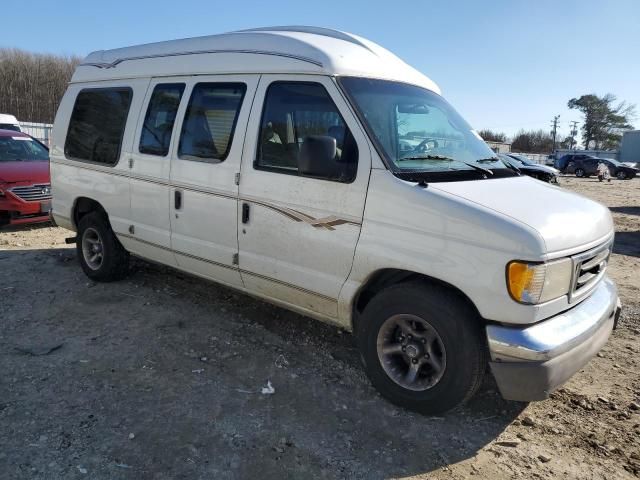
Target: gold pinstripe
(327,223)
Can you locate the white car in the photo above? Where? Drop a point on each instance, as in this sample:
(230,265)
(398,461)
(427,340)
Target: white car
(269,160)
(9,122)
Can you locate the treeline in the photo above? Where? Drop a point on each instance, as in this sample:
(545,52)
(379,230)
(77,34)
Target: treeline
(526,141)
(604,122)
(32,84)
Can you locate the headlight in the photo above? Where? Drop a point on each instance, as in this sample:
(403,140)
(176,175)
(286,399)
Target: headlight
(533,283)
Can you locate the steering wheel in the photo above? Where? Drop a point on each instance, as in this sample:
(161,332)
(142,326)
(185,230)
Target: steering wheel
(422,146)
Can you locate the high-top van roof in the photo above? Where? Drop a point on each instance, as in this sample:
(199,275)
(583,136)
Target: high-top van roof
(260,50)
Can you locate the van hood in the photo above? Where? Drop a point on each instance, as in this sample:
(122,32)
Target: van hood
(564,220)
(35,171)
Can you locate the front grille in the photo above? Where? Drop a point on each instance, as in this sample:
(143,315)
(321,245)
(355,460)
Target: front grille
(588,269)
(33,193)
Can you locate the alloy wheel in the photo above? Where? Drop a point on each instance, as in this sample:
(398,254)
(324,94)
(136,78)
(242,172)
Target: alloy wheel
(92,248)
(411,352)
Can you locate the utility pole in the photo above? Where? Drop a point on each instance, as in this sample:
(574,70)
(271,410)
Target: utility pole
(554,131)
(573,133)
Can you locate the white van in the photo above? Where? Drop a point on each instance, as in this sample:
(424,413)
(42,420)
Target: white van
(314,169)
(9,122)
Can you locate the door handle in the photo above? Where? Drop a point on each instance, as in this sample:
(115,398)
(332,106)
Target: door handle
(177,199)
(245,213)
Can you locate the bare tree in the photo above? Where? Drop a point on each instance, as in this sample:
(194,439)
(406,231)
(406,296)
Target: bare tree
(532,141)
(32,84)
(491,136)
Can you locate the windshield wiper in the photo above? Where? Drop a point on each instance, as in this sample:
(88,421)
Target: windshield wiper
(476,167)
(427,157)
(447,159)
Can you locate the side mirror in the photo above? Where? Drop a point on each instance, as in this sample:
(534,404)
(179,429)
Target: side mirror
(318,157)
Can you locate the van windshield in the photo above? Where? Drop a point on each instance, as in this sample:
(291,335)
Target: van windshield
(416,130)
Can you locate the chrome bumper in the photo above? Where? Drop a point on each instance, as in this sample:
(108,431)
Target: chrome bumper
(529,363)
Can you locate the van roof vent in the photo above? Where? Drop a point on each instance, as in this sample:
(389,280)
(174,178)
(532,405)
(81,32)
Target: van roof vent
(325,32)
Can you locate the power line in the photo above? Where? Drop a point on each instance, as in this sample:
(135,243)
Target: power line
(573,132)
(554,131)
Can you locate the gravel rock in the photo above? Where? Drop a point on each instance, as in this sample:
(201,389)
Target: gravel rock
(512,442)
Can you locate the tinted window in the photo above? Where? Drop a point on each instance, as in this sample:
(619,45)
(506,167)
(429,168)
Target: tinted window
(97,125)
(296,112)
(210,120)
(9,126)
(161,115)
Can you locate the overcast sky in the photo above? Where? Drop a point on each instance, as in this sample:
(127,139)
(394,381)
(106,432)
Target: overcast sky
(504,64)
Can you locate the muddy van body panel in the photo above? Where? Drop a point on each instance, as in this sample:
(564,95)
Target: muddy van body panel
(261,160)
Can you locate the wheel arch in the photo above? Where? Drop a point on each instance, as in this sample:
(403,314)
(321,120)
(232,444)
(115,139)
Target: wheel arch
(386,277)
(82,206)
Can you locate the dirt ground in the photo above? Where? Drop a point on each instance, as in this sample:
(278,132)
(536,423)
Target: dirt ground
(160,376)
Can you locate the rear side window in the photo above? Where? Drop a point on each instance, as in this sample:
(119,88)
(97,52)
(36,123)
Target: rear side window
(210,120)
(9,126)
(97,125)
(295,116)
(161,115)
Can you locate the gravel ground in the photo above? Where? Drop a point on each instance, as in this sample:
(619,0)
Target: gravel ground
(160,376)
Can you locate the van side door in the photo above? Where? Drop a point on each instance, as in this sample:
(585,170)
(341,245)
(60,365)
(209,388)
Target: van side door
(205,163)
(303,184)
(149,167)
(92,140)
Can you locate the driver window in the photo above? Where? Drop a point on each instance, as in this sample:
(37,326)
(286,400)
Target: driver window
(426,130)
(297,115)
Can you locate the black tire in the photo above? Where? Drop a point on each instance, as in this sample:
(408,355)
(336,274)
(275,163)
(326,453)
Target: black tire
(580,172)
(114,261)
(621,175)
(459,330)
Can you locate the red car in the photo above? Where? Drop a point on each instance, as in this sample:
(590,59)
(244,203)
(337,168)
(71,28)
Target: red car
(25,187)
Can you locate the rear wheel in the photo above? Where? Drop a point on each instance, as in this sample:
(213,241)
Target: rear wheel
(101,255)
(422,347)
(579,172)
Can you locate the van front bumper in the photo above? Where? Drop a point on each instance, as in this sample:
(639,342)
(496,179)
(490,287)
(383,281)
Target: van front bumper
(531,362)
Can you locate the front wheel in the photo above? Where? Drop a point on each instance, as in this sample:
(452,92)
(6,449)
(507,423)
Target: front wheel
(579,172)
(621,175)
(422,347)
(101,255)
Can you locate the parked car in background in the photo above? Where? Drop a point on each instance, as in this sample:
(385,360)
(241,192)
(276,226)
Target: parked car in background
(532,169)
(25,188)
(620,170)
(631,164)
(589,166)
(9,122)
(565,161)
